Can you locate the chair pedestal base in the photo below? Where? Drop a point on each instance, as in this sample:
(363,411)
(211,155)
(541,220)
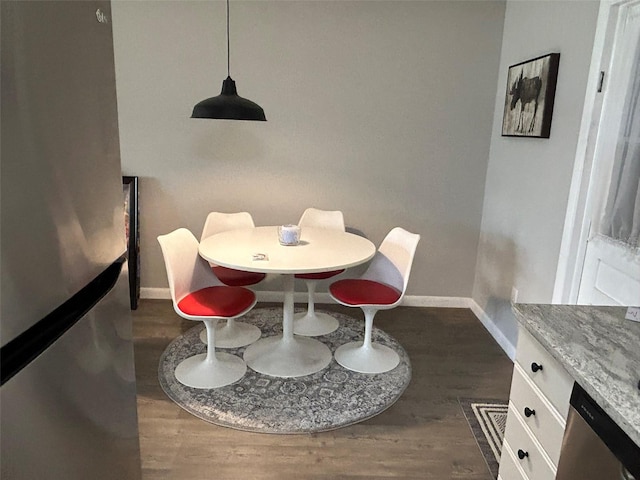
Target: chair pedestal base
(314,324)
(196,372)
(233,334)
(375,358)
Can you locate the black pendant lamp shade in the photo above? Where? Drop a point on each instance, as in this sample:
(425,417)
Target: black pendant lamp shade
(228,105)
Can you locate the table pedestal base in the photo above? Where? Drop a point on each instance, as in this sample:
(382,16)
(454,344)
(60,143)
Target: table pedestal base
(281,357)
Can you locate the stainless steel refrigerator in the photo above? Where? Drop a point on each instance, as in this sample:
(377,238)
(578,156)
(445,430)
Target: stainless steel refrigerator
(68,393)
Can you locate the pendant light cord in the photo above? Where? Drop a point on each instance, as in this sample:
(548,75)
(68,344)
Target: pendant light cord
(228,50)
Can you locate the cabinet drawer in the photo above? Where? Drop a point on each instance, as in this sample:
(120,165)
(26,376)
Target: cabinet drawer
(553,380)
(509,468)
(535,465)
(544,422)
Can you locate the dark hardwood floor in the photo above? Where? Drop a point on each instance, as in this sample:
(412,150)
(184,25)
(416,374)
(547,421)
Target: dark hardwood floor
(424,435)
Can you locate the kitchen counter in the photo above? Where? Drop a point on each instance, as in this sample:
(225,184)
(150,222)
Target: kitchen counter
(598,348)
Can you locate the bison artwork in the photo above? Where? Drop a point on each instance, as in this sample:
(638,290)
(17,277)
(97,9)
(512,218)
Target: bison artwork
(529,100)
(526,91)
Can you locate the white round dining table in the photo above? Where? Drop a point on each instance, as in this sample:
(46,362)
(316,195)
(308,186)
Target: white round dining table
(258,250)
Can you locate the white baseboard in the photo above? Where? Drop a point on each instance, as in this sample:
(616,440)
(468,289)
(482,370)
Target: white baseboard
(408,301)
(155,293)
(446,302)
(506,345)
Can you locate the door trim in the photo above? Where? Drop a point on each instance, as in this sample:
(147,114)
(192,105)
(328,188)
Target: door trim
(579,205)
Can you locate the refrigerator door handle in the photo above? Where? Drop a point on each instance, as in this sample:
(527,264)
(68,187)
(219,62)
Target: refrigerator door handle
(26,347)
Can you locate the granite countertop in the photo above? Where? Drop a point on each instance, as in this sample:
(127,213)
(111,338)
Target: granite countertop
(598,348)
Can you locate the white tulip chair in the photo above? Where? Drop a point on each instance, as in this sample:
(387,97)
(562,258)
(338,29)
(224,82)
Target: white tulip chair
(381,287)
(311,323)
(197,294)
(232,334)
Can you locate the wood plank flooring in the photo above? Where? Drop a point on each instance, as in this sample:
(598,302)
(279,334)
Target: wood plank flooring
(424,435)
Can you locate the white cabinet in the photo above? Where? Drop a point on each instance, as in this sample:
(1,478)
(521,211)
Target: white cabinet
(538,407)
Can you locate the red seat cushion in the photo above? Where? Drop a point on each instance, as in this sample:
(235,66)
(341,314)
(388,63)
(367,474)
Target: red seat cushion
(217,301)
(237,278)
(364,292)
(319,275)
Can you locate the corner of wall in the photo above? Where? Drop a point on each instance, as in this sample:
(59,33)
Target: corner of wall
(505,343)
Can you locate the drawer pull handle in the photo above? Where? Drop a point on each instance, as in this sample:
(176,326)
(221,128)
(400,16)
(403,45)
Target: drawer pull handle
(535,367)
(528,412)
(522,454)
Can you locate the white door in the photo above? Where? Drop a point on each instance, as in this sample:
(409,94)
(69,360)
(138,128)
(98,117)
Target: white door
(611,269)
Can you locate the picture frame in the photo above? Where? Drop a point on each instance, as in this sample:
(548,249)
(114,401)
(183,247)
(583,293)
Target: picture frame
(530,95)
(132,233)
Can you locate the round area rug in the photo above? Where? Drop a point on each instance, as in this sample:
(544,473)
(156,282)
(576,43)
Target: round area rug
(332,398)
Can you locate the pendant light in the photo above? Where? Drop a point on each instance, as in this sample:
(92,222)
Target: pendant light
(228,105)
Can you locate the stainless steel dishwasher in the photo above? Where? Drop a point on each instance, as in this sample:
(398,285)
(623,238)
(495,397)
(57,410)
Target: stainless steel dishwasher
(594,447)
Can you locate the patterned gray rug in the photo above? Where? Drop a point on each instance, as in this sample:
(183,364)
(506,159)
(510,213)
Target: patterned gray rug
(330,399)
(487,419)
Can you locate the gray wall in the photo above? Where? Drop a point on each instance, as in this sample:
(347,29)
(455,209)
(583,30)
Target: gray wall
(380,109)
(528,180)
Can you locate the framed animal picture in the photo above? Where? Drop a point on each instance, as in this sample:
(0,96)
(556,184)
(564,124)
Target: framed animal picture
(528,104)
